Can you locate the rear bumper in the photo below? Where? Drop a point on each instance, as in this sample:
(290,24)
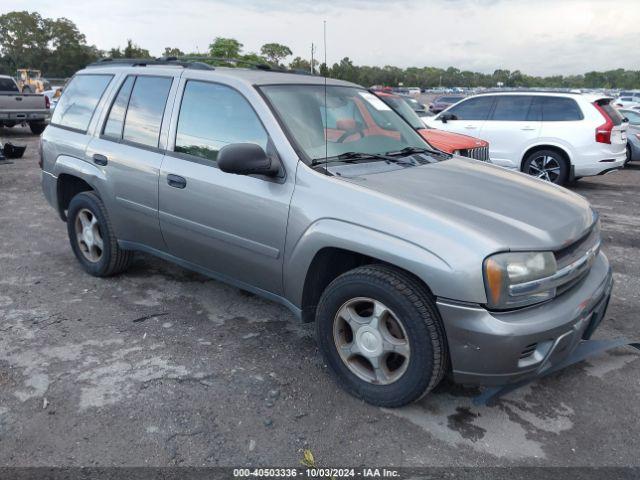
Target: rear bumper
(27,116)
(600,162)
(492,348)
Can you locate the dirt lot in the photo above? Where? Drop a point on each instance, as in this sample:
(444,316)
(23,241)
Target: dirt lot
(161,366)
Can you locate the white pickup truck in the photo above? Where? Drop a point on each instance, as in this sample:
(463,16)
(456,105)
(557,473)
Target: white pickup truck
(17,108)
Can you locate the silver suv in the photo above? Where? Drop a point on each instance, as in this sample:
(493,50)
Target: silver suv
(413,264)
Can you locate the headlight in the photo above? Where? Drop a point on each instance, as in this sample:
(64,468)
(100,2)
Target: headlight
(505,270)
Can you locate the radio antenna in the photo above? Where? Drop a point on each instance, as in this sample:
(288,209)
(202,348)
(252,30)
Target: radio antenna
(326,68)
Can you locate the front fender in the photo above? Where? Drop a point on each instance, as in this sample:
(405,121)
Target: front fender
(324,233)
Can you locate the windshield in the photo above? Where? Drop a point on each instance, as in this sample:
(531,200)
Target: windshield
(356,121)
(401,107)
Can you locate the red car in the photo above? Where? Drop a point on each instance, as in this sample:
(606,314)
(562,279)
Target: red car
(446,141)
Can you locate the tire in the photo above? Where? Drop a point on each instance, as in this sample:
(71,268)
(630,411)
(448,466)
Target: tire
(628,159)
(547,165)
(37,127)
(99,262)
(406,378)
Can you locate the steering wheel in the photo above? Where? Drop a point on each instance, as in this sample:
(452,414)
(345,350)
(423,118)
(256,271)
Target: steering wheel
(359,129)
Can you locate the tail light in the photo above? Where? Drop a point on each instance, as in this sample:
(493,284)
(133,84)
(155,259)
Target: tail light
(603,132)
(47,102)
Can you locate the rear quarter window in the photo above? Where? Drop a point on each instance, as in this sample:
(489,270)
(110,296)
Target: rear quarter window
(611,111)
(559,109)
(79,101)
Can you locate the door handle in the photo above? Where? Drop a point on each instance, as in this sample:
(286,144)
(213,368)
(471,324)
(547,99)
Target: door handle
(176,181)
(470,127)
(527,129)
(100,159)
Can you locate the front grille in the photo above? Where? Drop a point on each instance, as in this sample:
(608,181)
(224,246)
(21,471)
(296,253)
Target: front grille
(574,252)
(480,153)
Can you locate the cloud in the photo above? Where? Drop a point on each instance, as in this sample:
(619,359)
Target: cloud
(534,36)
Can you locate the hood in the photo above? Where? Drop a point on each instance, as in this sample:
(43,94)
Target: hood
(512,210)
(449,142)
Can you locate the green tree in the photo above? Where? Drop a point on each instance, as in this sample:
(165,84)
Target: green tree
(24,39)
(303,65)
(275,52)
(225,48)
(56,47)
(172,52)
(134,51)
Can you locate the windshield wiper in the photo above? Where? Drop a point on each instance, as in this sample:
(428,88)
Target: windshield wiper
(411,150)
(352,156)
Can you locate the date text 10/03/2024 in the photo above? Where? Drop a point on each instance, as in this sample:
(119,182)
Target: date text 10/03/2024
(315,472)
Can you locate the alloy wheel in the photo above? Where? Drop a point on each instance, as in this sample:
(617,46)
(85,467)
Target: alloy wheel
(545,167)
(88,235)
(371,341)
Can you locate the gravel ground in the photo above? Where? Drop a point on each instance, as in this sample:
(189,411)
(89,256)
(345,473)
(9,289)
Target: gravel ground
(161,366)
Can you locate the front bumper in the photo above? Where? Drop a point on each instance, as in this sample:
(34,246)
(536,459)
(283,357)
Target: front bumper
(499,348)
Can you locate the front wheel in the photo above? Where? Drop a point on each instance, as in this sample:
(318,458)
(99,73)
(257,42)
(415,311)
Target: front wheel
(92,239)
(547,165)
(381,336)
(628,159)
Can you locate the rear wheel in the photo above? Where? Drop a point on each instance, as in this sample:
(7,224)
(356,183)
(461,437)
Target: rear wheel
(380,335)
(628,159)
(547,165)
(37,127)
(92,239)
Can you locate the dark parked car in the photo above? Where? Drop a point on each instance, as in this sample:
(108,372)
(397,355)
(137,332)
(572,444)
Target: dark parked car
(441,103)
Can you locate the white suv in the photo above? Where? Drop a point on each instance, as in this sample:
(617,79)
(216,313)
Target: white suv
(554,136)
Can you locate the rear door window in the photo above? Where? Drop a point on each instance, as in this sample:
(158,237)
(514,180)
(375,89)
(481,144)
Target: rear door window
(513,108)
(473,109)
(146,107)
(559,109)
(79,100)
(115,120)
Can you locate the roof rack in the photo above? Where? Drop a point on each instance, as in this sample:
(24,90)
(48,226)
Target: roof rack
(241,62)
(143,62)
(194,62)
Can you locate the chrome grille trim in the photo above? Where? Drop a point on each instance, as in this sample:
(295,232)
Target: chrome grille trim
(479,153)
(563,276)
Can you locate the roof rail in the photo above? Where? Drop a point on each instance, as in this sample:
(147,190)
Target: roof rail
(195,62)
(241,62)
(143,62)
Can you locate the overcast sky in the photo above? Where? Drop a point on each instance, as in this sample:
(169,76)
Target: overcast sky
(540,37)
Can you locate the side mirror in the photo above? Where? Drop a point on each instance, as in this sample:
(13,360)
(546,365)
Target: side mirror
(246,159)
(445,117)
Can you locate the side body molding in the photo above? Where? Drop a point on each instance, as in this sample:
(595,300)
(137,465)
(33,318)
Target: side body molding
(428,266)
